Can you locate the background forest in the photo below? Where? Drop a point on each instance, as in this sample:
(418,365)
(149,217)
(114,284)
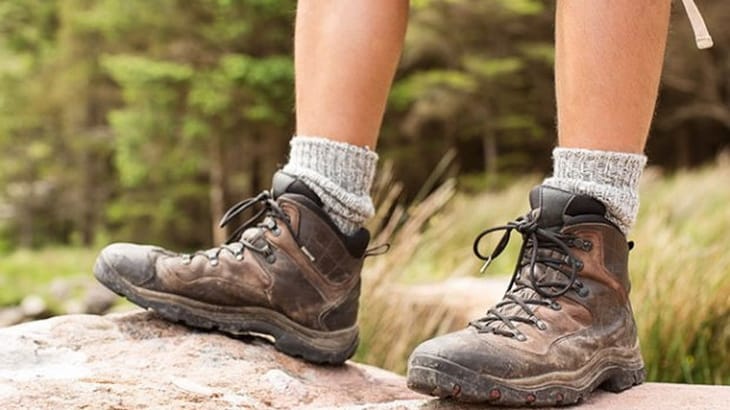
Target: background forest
(141,120)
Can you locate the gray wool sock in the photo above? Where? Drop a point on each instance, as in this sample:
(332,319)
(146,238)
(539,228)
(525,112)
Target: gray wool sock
(610,177)
(339,173)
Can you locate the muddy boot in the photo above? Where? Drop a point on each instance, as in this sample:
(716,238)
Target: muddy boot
(564,327)
(288,273)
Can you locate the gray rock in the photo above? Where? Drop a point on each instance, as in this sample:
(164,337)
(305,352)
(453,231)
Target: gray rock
(11,316)
(465,298)
(135,360)
(98,299)
(33,305)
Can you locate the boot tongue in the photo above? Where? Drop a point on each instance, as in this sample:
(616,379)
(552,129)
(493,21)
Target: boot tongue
(284,183)
(551,206)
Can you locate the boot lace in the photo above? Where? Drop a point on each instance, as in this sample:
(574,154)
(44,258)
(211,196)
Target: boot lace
(527,290)
(265,219)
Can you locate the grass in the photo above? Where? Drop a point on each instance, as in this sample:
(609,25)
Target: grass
(682,276)
(680,272)
(24,272)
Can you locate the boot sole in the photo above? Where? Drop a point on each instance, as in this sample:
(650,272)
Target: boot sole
(436,376)
(289,337)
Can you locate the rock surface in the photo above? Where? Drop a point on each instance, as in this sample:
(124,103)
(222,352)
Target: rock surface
(465,298)
(134,360)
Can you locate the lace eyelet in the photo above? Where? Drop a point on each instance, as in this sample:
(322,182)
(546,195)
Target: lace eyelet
(239,256)
(540,324)
(271,258)
(555,306)
(520,337)
(583,292)
(214,262)
(579,265)
(275,230)
(582,244)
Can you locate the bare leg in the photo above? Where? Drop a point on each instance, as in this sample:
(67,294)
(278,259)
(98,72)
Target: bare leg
(346,53)
(608,62)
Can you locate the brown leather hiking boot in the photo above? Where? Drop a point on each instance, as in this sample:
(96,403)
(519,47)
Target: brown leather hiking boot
(287,273)
(564,327)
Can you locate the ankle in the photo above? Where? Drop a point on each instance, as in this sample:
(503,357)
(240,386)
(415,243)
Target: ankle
(340,174)
(610,177)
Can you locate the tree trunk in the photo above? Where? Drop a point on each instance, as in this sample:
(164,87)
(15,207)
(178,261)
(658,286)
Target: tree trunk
(217,189)
(257,184)
(682,148)
(25,237)
(86,219)
(489,146)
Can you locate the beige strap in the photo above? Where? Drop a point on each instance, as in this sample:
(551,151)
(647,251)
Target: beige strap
(702,35)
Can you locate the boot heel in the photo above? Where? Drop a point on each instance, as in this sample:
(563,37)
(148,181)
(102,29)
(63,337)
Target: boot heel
(622,379)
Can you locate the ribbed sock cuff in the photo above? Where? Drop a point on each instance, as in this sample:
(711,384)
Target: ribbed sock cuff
(341,174)
(610,177)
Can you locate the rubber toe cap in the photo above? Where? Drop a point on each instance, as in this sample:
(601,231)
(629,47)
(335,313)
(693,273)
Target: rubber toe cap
(465,351)
(133,263)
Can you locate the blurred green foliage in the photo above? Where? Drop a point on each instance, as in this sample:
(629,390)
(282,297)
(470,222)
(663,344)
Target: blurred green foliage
(142,120)
(132,113)
(25,272)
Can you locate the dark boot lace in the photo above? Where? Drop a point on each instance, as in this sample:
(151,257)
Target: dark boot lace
(527,289)
(265,219)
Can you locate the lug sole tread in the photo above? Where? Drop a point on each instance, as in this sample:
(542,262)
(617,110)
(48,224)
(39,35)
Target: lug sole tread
(286,339)
(428,379)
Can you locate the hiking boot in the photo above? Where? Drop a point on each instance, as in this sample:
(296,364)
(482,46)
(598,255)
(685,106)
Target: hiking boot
(565,325)
(287,273)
